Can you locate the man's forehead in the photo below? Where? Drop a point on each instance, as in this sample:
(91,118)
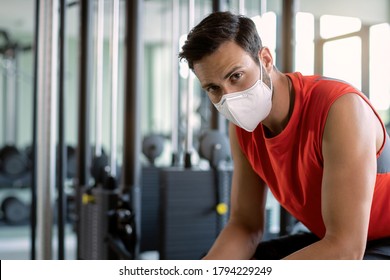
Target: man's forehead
(221,63)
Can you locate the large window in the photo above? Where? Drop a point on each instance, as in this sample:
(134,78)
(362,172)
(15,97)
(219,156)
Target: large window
(266,27)
(342,60)
(380,66)
(344,48)
(342,52)
(304,49)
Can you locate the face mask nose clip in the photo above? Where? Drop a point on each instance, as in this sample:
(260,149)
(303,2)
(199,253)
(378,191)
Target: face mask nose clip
(247,108)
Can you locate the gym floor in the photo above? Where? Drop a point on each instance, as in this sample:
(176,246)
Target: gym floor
(15,242)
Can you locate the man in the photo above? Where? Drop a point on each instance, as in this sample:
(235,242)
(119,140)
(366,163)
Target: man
(316,143)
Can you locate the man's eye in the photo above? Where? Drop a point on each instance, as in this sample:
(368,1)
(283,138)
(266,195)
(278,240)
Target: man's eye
(212,89)
(236,76)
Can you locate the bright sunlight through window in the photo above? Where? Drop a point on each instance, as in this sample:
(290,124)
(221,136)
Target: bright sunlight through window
(304,49)
(380,66)
(333,26)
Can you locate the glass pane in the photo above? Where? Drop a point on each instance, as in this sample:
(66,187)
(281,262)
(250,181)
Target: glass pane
(380,66)
(304,50)
(342,60)
(266,27)
(332,26)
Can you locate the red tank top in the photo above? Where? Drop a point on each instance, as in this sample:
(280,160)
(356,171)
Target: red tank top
(291,163)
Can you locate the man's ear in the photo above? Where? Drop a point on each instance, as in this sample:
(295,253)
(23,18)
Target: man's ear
(266,58)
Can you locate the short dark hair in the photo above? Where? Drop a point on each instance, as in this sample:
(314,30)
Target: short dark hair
(216,29)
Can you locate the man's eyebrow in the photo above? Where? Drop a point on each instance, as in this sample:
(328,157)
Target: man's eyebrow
(205,86)
(231,72)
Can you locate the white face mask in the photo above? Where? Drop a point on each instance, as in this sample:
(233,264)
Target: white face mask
(247,108)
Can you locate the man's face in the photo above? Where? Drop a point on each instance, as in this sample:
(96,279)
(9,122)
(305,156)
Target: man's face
(229,69)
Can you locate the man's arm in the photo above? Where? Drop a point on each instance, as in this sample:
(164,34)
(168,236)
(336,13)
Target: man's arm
(243,232)
(349,147)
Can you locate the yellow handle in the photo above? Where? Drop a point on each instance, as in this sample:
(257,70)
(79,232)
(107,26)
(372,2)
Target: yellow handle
(87,198)
(222,208)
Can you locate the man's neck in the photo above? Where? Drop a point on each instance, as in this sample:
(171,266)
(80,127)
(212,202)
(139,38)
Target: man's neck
(282,105)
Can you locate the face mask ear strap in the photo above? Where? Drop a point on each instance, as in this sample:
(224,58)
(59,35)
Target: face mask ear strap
(261,70)
(261,75)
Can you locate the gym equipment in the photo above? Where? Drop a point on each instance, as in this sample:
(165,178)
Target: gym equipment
(195,202)
(97,199)
(9,51)
(175,97)
(14,210)
(192,199)
(63,162)
(131,174)
(100,167)
(152,147)
(13,163)
(96,205)
(46,116)
(71,158)
(214,146)
(123,230)
(109,214)
(14,179)
(188,217)
(33,215)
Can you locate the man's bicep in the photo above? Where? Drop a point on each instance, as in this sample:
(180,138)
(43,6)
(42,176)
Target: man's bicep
(349,170)
(248,190)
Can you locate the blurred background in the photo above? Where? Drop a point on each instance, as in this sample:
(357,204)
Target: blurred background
(108,146)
